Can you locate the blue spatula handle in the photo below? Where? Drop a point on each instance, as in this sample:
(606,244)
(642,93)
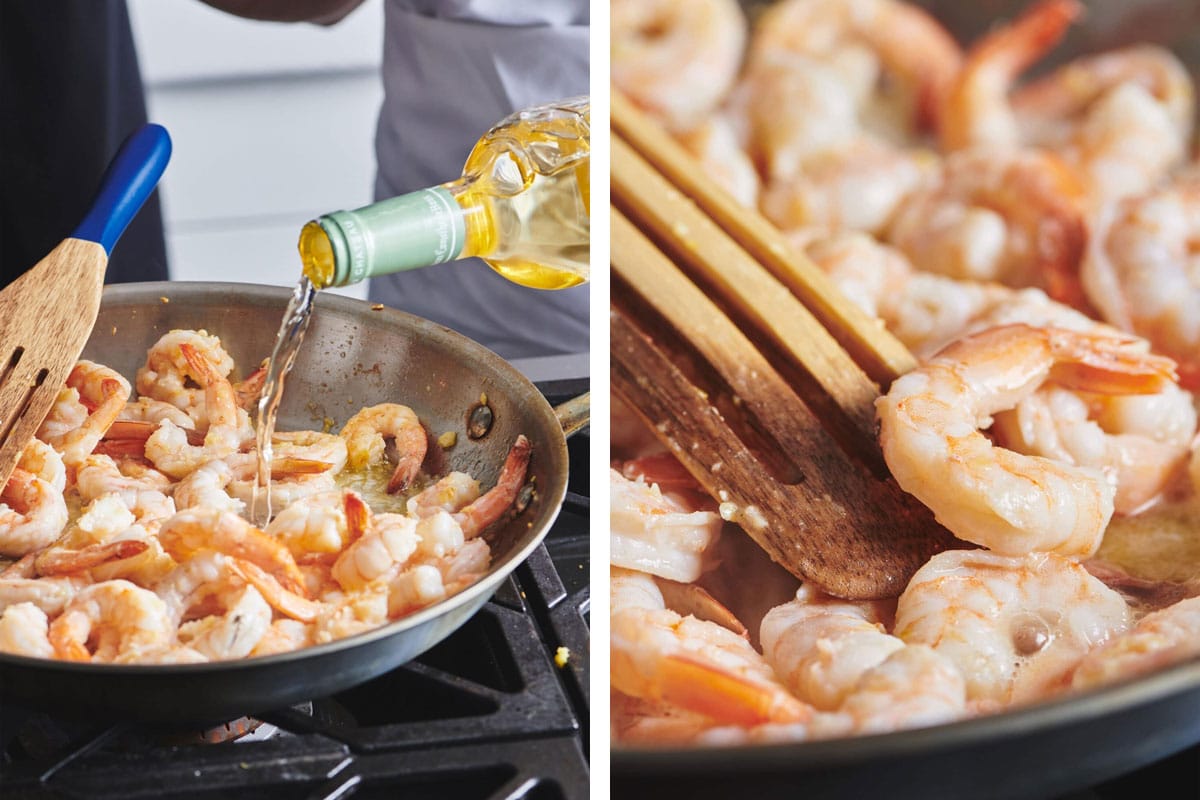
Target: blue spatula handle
(130,178)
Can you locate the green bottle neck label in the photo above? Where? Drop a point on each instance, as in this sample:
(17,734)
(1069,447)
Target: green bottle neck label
(406,232)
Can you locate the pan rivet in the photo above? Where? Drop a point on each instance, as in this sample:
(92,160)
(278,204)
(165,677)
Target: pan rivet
(479,420)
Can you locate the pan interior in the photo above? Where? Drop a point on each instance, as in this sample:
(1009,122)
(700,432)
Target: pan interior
(356,354)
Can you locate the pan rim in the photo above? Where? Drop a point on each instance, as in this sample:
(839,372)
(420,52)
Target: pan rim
(497,573)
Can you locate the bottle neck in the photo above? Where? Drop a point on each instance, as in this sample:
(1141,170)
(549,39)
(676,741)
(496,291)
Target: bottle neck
(429,226)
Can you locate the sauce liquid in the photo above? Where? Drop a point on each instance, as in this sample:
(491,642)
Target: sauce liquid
(283,356)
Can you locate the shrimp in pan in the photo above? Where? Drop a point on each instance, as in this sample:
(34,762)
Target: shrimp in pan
(659,656)
(930,430)
(677,59)
(1014,626)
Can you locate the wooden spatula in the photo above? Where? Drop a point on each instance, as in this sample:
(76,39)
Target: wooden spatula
(756,373)
(47,314)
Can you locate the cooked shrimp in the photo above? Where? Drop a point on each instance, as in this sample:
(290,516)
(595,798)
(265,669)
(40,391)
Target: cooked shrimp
(110,619)
(1013,217)
(694,665)
(914,687)
(168,447)
(365,435)
(1160,639)
(428,583)
(1123,118)
(1141,271)
(977,110)
(877,46)
(296,446)
(61,561)
(495,502)
(449,493)
(167,375)
(1015,627)
(923,310)
(652,533)
(24,631)
(151,411)
(1138,441)
(194,530)
(353,614)
(243,619)
(1120,119)
(206,487)
(144,493)
(930,424)
(43,461)
(281,599)
(291,481)
(856,185)
(103,393)
(677,60)
(321,523)
(821,647)
(385,547)
(249,389)
(283,636)
(724,158)
(51,595)
(32,514)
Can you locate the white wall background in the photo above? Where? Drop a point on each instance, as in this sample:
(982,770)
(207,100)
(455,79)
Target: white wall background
(273,124)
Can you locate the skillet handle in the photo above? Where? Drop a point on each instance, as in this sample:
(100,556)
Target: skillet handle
(574,414)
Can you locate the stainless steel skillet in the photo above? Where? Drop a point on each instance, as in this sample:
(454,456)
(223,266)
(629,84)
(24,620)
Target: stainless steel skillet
(354,355)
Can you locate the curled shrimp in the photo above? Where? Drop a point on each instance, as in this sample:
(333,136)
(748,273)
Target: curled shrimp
(1015,626)
(856,185)
(194,530)
(365,434)
(977,110)
(25,631)
(385,544)
(144,492)
(103,393)
(493,503)
(1015,217)
(450,493)
(60,561)
(1138,441)
(237,626)
(930,424)
(878,47)
(434,580)
(653,533)
(677,60)
(1139,271)
(110,619)
(283,636)
(206,487)
(1120,119)
(167,375)
(821,647)
(321,523)
(43,461)
(1159,639)
(32,514)
(698,666)
(168,447)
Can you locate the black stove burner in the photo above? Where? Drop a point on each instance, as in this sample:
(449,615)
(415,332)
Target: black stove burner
(485,714)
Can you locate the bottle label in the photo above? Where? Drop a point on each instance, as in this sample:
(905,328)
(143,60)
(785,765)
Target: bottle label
(406,232)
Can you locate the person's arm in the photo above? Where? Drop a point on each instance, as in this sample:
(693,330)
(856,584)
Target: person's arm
(322,12)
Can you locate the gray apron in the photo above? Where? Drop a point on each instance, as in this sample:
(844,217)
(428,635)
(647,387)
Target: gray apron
(450,71)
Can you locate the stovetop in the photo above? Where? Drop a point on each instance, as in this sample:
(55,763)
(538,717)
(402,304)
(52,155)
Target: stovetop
(485,714)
